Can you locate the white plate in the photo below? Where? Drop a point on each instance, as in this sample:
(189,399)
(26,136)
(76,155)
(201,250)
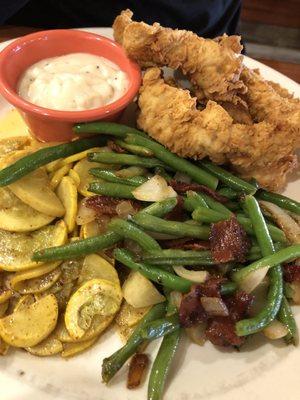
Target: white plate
(260,371)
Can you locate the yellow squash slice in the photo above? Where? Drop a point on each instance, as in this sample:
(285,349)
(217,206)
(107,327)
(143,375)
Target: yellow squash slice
(24,284)
(71,349)
(48,347)
(82,169)
(58,175)
(73,174)
(95,297)
(30,325)
(130,316)
(24,302)
(3,347)
(12,144)
(34,189)
(139,292)
(17,248)
(67,193)
(125,332)
(16,216)
(5,294)
(96,267)
(3,308)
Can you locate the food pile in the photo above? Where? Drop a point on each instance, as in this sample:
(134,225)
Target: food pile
(230,114)
(115,227)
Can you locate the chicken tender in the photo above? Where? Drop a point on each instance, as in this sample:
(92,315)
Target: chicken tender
(213,66)
(263,150)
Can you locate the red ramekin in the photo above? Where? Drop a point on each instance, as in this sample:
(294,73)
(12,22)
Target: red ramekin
(53,125)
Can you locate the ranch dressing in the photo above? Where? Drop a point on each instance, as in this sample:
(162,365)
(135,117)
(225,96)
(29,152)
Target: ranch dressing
(73,82)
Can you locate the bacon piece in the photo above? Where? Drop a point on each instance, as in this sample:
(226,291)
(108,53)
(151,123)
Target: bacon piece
(182,188)
(185,244)
(291,273)
(137,367)
(191,311)
(221,332)
(107,205)
(239,305)
(177,214)
(229,241)
(115,147)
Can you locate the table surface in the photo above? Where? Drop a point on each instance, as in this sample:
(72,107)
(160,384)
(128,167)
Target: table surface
(289,69)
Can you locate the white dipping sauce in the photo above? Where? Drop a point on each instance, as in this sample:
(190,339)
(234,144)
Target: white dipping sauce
(73,82)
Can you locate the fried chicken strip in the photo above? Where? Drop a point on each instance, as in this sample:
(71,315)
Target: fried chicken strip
(169,114)
(270,102)
(213,66)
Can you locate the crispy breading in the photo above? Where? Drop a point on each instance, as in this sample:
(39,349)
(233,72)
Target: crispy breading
(263,150)
(213,66)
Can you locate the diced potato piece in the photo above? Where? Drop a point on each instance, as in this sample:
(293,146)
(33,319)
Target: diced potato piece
(82,169)
(67,193)
(58,175)
(130,316)
(34,189)
(29,326)
(96,267)
(36,285)
(16,216)
(71,349)
(17,248)
(48,347)
(95,297)
(138,291)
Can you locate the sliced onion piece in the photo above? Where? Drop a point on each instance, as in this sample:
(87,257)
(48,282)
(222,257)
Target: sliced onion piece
(253,279)
(176,298)
(85,214)
(283,220)
(124,209)
(276,330)
(214,306)
(155,189)
(197,334)
(181,177)
(194,276)
(295,286)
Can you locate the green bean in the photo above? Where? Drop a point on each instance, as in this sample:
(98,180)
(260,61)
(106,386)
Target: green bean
(229,193)
(161,365)
(153,273)
(160,208)
(275,292)
(174,161)
(125,159)
(131,172)
(110,176)
(178,257)
(280,200)
(227,288)
(276,234)
(180,229)
(207,215)
(160,327)
(43,156)
(282,256)
(286,317)
(77,249)
(112,189)
(113,364)
(109,128)
(193,200)
(216,205)
(228,179)
(130,231)
(138,150)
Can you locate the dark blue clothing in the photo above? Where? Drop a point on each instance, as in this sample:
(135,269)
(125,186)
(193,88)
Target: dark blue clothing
(208,18)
